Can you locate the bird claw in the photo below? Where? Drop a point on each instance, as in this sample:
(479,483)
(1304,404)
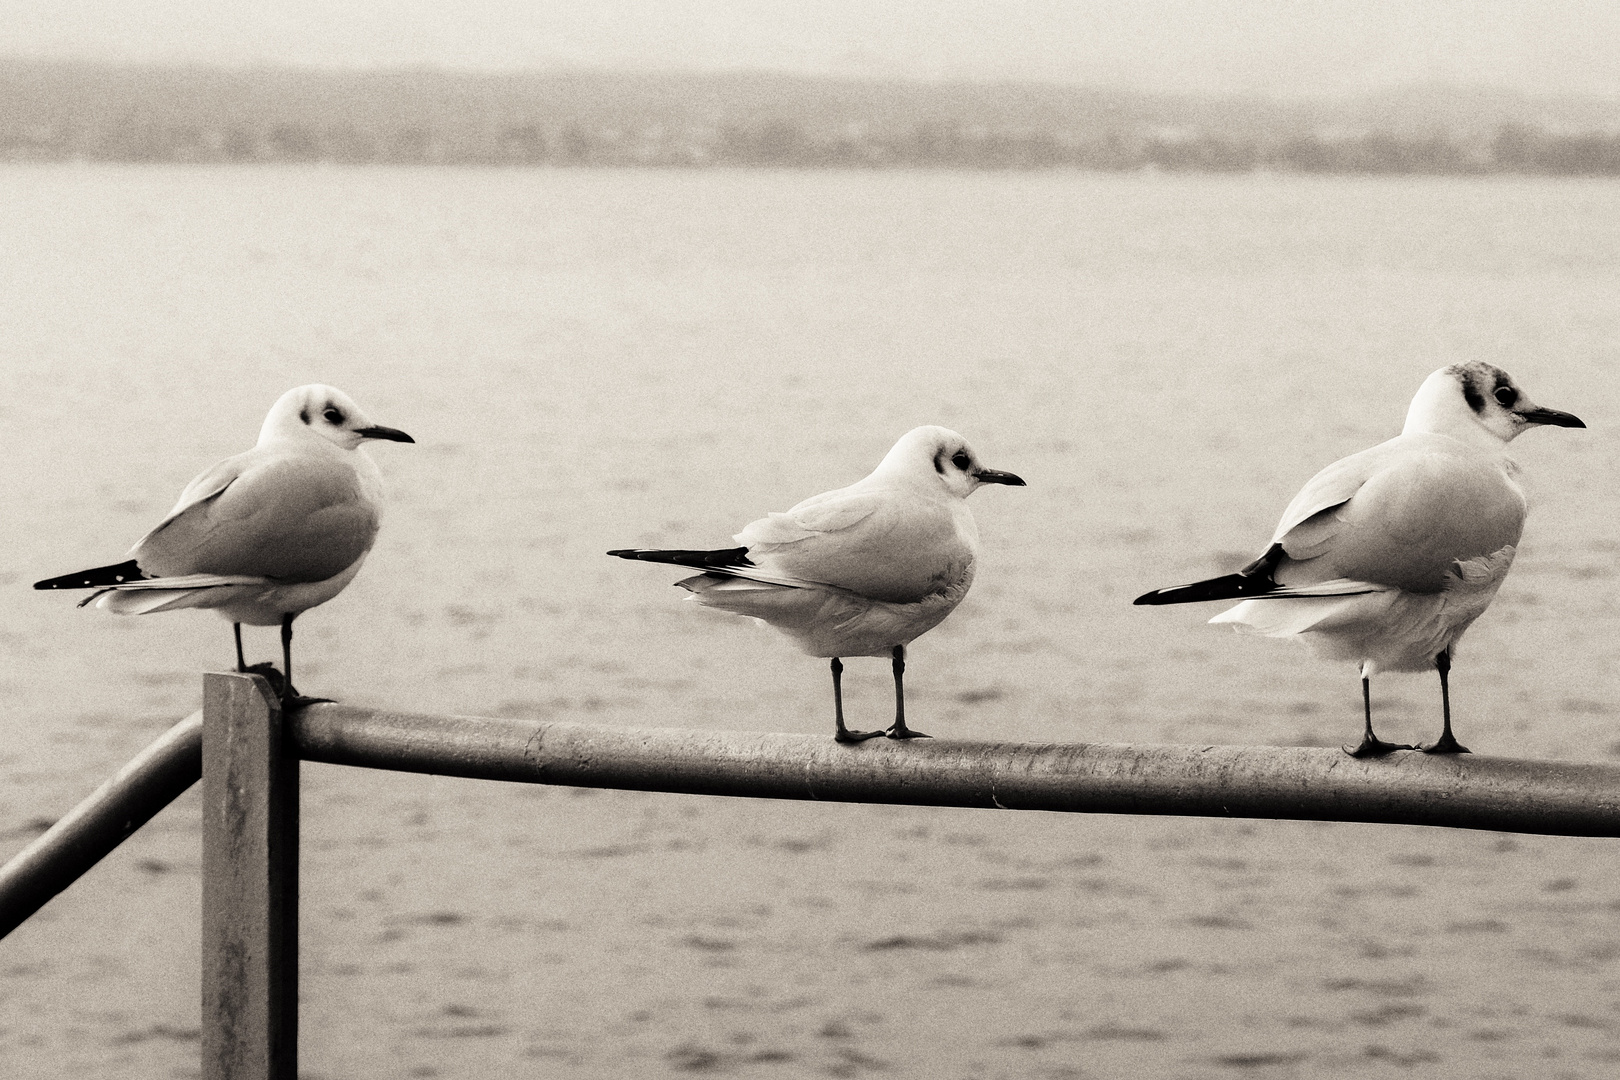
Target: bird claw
(844,735)
(271,675)
(1373,747)
(900,731)
(1446,744)
(287,693)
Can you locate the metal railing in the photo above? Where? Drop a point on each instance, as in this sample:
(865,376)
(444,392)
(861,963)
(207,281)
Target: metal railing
(247,752)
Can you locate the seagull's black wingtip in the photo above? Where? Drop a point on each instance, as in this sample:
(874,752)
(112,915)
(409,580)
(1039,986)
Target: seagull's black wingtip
(704,560)
(1257,579)
(100,577)
(1230,587)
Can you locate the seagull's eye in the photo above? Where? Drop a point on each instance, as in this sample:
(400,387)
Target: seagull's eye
(1506,396)
(961,460)
(334,415)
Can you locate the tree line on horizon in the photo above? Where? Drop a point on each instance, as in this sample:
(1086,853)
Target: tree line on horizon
(88,112)
(785,144)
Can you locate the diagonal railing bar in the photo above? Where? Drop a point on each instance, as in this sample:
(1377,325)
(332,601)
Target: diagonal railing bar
(84,835)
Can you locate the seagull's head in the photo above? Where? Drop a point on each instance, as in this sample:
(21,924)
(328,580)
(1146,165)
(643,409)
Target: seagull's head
(1466,400)
(936,455)
(327,412)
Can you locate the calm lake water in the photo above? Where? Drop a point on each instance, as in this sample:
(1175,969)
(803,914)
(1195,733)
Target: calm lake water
(604,359)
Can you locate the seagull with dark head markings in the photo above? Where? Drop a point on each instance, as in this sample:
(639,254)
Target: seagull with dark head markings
(264,535)
(1387,556)
(861,571)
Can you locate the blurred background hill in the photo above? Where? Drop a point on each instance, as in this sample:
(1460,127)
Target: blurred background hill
(56,110)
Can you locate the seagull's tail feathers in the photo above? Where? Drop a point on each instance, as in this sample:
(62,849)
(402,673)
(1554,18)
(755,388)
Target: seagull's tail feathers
(169,593)
(1328,605)
(725,585)
(745,596)
(144,602)
(1335,587)
(819,620)
(1279,620)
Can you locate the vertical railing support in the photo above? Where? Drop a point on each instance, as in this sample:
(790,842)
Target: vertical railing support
(250,884)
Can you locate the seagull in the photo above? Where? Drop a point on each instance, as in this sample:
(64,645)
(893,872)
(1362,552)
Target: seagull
(861,571)
(1387,556)
(264,535)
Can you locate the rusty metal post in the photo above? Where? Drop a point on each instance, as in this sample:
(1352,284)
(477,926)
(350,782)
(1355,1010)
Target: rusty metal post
(250,884)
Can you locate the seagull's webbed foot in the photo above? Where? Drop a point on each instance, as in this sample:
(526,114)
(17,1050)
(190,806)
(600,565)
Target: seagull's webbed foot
(900,731)
(272,675)
(844,735)
(288,693)
(1447,742)
(1372,746)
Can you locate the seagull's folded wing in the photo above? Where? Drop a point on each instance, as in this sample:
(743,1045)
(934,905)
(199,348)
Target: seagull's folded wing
(874,542)
(1400,515)
(283,517)
(1305,526)
(819,515)
(209,483)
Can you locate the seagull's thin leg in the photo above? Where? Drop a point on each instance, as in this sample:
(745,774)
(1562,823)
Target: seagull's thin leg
(265,668)
(843,734)
(290,697)
(286,652)
(1447,743)
(899,730)
(1371,745)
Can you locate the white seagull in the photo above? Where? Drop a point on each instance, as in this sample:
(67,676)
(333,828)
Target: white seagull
(264,535)
(861,571)
(1387,556)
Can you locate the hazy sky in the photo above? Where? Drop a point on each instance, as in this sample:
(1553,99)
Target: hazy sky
(1272,46)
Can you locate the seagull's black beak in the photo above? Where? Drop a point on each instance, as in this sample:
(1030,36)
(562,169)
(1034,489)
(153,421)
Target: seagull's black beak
(996,476)
(391,434)
(1553,417)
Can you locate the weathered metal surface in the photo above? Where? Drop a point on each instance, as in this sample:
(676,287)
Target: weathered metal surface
(250,884)
(248,755)
(84,835)
(1471,791)
(1468,791)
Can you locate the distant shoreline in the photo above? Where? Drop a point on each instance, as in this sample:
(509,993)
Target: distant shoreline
(60,111)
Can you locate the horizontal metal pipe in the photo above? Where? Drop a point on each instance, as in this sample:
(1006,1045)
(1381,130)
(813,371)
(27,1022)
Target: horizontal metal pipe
(81,838)
(1407,788)
(1468,791)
